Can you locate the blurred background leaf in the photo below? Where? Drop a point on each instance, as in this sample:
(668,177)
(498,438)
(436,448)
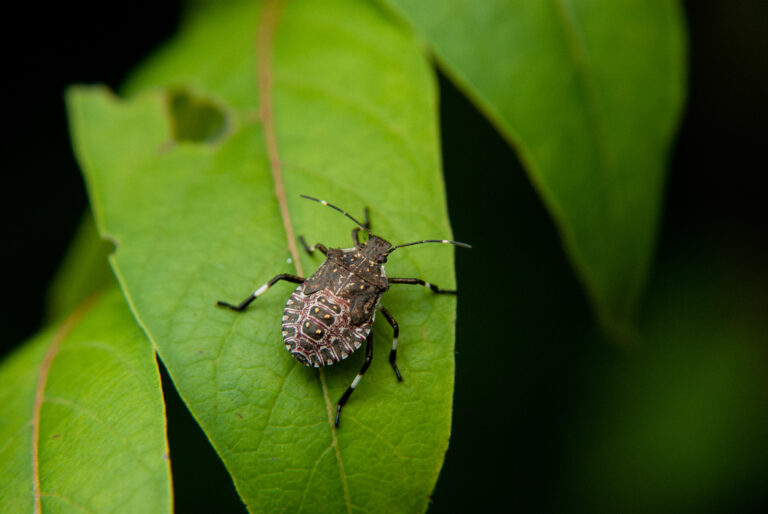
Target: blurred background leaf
(590,104)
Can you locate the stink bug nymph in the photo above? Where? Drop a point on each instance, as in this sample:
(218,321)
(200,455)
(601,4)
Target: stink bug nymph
(330,314)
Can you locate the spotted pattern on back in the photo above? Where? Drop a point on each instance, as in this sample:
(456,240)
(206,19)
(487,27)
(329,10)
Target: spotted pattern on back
(317,328)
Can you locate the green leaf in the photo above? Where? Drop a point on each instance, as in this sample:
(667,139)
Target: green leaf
(350,101)
(589,93)
(83,271)
(83,417)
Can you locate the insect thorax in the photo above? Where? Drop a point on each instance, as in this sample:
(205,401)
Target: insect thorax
(330,315)
(348,273)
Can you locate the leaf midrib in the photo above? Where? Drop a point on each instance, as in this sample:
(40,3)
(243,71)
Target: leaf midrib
(568,22)
(45,367)
(265,35)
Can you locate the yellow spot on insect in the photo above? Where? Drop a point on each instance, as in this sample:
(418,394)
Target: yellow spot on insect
(352,259)
(306,324)
(368,269)
(362,286)
(317,310)
(327,316)
(318,331)
(335,270)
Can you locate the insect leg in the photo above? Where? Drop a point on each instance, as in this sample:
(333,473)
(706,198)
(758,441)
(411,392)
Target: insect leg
(348,392)
(311,249)
(355,233)
(393,353)
(244,303)
(420,282)
(366,224)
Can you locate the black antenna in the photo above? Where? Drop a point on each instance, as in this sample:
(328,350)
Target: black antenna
(445,241)
(345,213)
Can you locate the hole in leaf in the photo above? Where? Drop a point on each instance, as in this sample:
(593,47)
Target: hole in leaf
(194,118)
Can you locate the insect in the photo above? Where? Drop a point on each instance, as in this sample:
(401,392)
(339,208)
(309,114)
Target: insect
(330,314)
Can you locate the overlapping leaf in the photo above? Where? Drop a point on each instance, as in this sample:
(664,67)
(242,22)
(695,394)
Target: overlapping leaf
(83,271)
(198,220)
(589,93)
(83,425)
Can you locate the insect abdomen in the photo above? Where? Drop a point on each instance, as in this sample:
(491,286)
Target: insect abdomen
(317,328)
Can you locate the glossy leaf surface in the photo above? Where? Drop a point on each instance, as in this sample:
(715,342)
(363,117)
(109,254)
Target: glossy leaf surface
(349,102)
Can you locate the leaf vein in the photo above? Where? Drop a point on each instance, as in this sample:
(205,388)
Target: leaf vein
(581,62)
(14,436)
(66,499)
(272,409)
(312,474)
(45,367)
(59,400)
(117,357)
(265,38)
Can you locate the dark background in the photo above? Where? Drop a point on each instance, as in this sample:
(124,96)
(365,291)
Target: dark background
(550,418)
